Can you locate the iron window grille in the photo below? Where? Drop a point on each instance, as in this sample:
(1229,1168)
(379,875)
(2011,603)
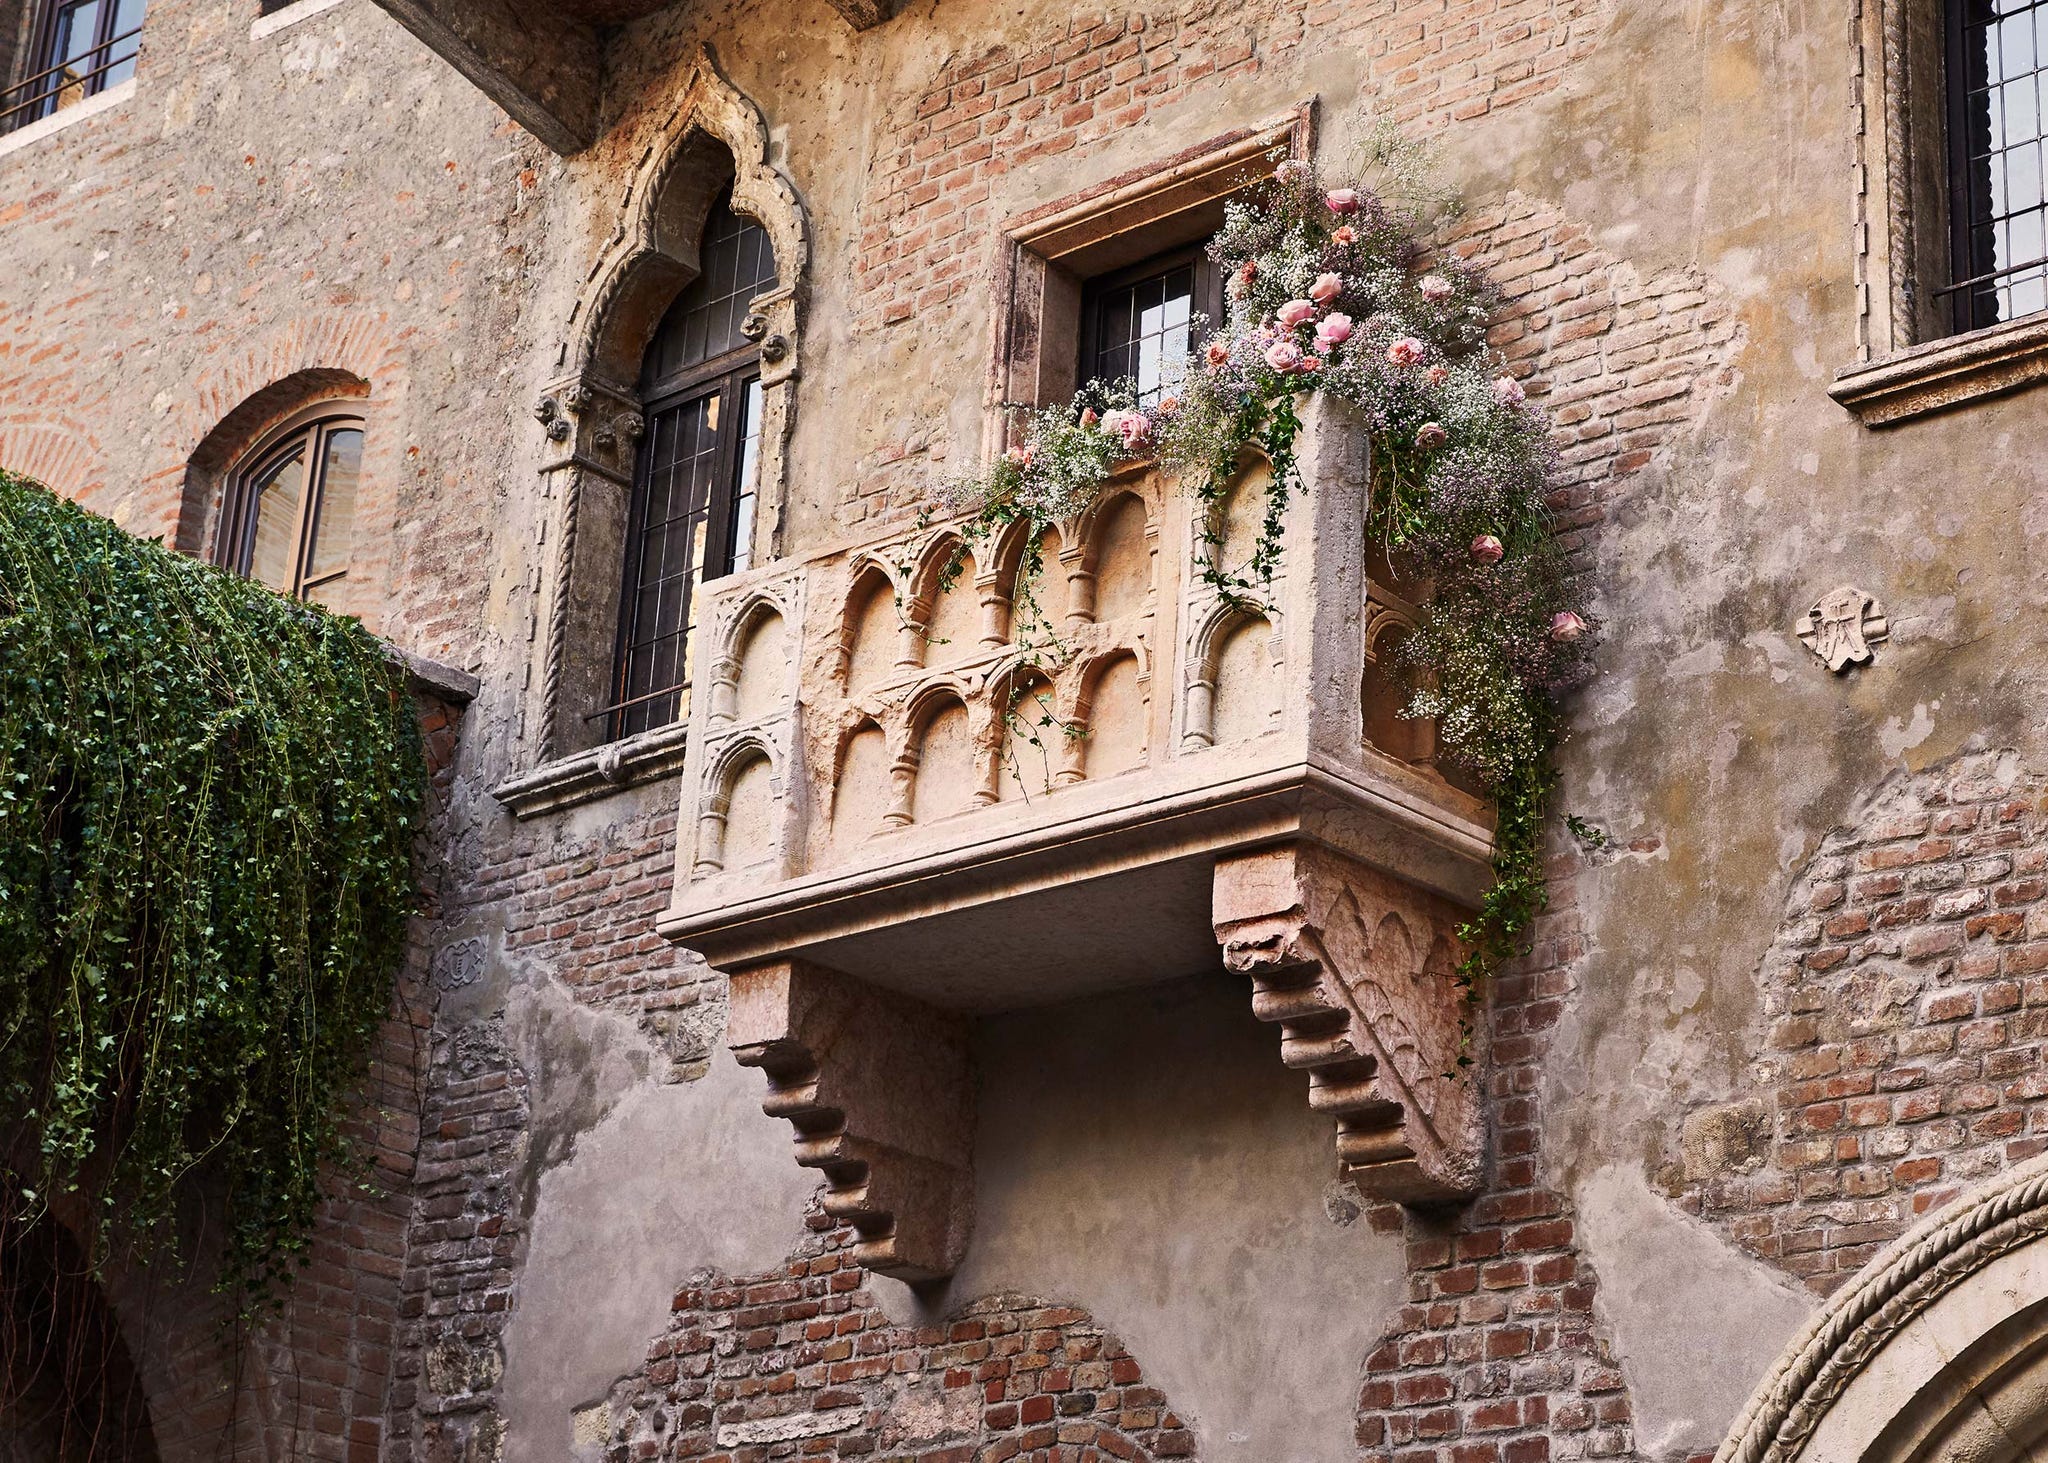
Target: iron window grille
(1139,324)
(288,516)
(692,509)
(79,49)
(1997,97)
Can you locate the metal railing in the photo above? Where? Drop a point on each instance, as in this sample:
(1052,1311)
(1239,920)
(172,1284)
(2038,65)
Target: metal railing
(57,87)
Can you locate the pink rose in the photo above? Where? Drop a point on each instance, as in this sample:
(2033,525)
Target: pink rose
(1291,171)
(1088,416)
(1430,436)
(1133,427)
(1326,288)
(1435,288)
(1168,405)
(1508,392)
(1566,626)
(1346,235)
(1241,281)
(1486,549)
(1284,356)
(1439,374)
(1407,351)
(1342,200)
(1020,455)
(1217,353)
(1311,363)
(1293,313)
(1335,329)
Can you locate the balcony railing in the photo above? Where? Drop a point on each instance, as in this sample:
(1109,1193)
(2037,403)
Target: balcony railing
(67,83)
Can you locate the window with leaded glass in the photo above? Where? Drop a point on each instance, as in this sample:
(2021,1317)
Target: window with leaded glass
(288,518)
(1997,54)
(1139,324)
(692,512)
(77,49)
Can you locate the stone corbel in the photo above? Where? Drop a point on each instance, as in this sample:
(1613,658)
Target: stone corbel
(880,1092)
(1357,970)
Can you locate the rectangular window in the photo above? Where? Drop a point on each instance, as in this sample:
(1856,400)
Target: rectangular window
(1998,215)
(691,520)
(78,48)
(1139,324)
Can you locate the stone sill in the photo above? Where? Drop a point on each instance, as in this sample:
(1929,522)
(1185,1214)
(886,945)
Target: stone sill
(430,677)
(292,14)
(597,773)
(1946,373)
(71,116)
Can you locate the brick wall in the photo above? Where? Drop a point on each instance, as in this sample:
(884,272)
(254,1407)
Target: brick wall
(1497,1356)
(803,1358)
(1906,996)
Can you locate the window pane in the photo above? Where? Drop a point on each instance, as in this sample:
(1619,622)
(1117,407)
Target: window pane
(1143,331)
(665,561)
(273,558)
(121,53)
(736,263)
(750,467)
(334,532)
(71,47)
(1998,187)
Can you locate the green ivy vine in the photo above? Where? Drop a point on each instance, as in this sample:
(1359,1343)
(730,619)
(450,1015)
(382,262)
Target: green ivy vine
(208,798)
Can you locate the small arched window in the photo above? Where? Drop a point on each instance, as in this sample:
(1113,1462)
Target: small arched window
(692,512)
(288,518)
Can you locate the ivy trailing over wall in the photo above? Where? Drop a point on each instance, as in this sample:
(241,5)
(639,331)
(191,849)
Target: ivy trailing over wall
(208,796)
(1333,291)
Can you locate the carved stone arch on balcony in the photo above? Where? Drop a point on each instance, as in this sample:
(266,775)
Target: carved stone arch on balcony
(749,679)
(869,642)
(1114,718)
(1125,573)
(1214,634)
(727,777)
(1382,692)
(591,415)
(936,768)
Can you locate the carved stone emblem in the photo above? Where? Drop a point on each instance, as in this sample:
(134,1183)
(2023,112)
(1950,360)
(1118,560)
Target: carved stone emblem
(1843,626)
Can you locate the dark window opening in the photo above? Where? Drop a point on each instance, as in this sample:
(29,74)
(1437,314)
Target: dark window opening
(1139,324)
(77,49)
(1998,214)
(288,519)
(692,513)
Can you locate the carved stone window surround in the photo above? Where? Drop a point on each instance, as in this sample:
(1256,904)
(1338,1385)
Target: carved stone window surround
(590,419)
(1906,365)
(1045,253)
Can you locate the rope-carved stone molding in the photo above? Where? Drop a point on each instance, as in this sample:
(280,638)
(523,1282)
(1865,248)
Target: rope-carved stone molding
(1900,1284)
(880,1091)
(1358,971)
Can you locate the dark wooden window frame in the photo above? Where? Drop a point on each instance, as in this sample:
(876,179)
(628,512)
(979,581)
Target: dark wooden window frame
(1207,302)
(32,98)
(235,541)
(727,376)
(1968,284)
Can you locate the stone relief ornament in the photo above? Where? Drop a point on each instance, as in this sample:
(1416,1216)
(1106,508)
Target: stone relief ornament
(1843,626)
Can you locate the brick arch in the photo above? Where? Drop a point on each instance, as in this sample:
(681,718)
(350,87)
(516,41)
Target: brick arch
(349,356)
(56,453)
(1004,1377)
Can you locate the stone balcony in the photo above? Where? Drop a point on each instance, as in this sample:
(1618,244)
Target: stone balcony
(911,801)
